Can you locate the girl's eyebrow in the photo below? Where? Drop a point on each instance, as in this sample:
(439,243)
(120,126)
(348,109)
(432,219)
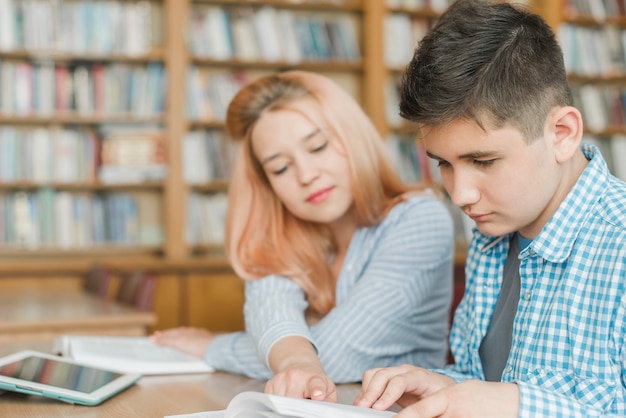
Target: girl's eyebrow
(303,139)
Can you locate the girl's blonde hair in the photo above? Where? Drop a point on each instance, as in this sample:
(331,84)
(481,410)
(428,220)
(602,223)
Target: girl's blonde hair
(262,236)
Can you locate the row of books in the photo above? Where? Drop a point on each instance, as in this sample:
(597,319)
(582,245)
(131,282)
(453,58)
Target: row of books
(81,26)
(111,89)
(44,155)
(41,155)
(593,51)
(206,217)
(598,9)
(602,106)
(272,35)
(209,91)
(207,156)
(402,34)
(48,218)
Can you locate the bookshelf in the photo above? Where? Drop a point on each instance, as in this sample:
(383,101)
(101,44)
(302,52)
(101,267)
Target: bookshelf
(52,86)
(165,44)
(591,34)
(64,75)
(182,260)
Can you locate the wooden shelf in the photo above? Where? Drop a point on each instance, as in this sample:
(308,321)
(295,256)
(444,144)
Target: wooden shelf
(369,74)
(76,119)
(97,186)
(58,56)
(318,65)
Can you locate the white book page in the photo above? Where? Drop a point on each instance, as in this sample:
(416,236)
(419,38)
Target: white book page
(131,355)
(261,405)
(306,408)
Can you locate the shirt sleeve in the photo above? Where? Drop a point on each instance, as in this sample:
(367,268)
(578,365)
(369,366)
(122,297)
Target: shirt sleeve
(236,353)
(274,309)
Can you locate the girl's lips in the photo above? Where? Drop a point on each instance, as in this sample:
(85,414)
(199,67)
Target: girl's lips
(319,196)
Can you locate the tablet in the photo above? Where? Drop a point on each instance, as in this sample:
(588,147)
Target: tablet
(60,378)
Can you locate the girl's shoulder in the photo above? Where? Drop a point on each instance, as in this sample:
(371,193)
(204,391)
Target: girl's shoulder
(419,202)
(416,209)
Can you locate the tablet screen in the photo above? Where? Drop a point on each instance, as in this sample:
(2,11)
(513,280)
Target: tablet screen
(58,373)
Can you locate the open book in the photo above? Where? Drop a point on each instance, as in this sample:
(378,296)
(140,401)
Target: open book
(262,405)
(128,355)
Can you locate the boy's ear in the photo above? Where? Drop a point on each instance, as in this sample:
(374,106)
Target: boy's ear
(565,126)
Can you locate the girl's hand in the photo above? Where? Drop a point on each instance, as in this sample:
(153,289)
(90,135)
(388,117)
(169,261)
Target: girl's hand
(190,340)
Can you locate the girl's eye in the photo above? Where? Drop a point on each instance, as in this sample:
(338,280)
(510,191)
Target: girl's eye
(320,147)
(484,163)
(279,171)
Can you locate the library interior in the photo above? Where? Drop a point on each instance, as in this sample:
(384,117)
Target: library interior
(114,160)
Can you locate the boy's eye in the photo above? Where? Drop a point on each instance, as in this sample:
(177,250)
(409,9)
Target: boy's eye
(484,163)
(442,163)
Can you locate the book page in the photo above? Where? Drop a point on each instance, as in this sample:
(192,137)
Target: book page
(131,355)
(262,405)
(307,408)
(257,404)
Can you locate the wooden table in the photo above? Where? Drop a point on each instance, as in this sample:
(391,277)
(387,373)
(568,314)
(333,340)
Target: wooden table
(152,396)
(40,315)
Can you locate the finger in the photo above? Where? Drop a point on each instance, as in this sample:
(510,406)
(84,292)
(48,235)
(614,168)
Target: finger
(371,388)
(374,385)
(368,376)
(430,407)
(286,384)
(318,388)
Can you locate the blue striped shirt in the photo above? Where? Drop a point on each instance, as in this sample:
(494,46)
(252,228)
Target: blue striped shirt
(568,355)
(393,296)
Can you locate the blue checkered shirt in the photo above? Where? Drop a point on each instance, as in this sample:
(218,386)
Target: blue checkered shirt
(568,354)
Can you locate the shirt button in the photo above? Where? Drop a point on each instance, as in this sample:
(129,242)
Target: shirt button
(509,369)
(527,295)
(349,267)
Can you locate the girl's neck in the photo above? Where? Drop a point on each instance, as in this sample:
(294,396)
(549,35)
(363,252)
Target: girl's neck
(341,232)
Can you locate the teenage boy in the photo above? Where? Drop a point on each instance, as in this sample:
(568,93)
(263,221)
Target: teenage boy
(541,329)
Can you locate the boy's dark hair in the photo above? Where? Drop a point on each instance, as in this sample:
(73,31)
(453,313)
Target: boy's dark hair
(489,62)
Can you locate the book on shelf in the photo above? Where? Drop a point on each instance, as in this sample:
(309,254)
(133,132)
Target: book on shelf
(265,22)
(128,355)
(256,404)
(132,155)
(245,40)
(69,219)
